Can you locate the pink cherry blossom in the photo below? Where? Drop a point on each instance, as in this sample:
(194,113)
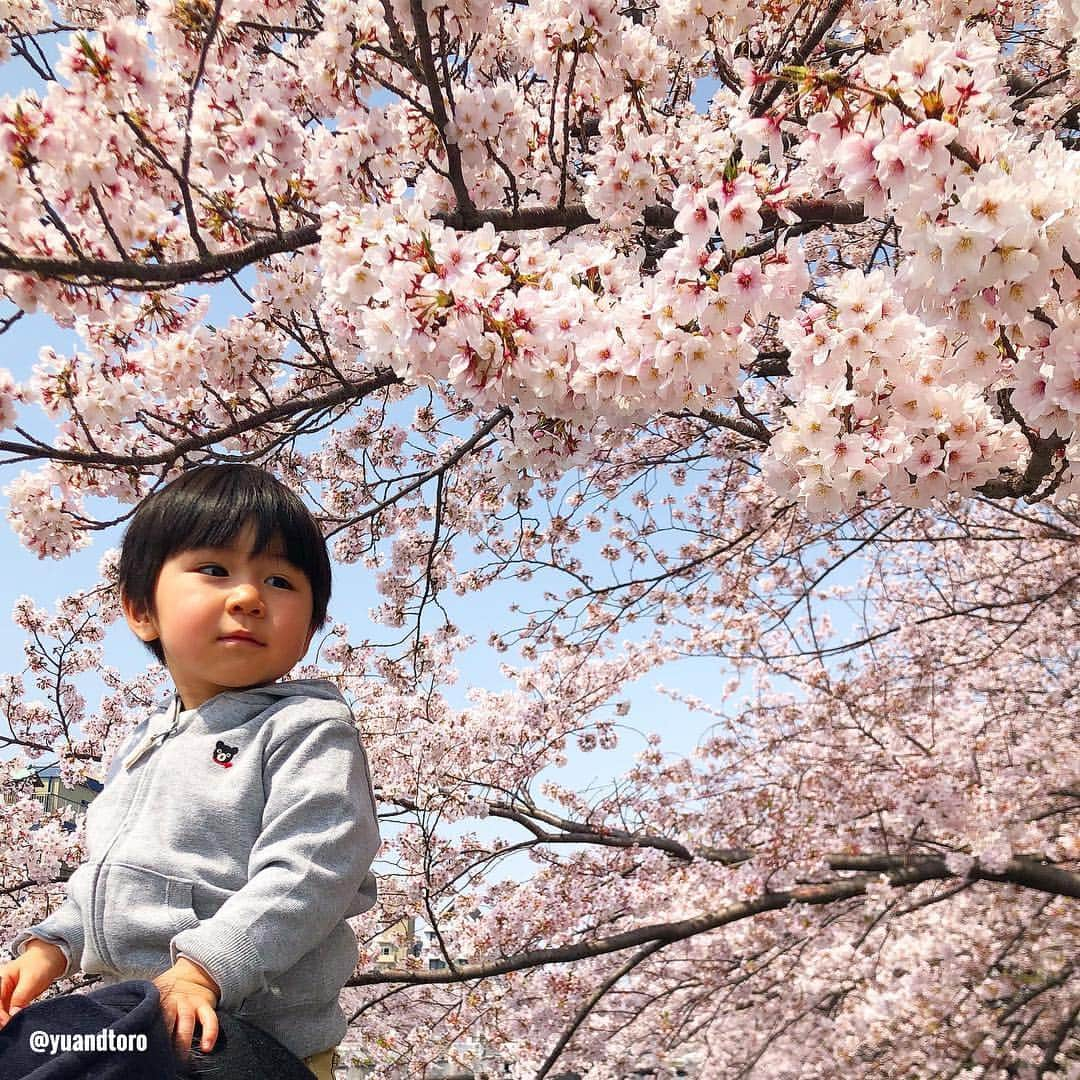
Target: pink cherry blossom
(626,337)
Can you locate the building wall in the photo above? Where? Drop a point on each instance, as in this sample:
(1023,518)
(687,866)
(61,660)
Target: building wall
(54,795)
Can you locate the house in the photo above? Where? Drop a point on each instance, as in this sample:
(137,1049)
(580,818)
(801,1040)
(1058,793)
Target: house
(54,795)
(395,944)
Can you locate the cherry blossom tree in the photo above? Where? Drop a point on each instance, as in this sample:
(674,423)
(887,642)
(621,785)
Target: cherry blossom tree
(743,334)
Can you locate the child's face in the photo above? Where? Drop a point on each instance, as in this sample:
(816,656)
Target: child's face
(227,619)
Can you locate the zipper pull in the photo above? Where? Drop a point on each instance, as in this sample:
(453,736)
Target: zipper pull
(138,753)
(152,741)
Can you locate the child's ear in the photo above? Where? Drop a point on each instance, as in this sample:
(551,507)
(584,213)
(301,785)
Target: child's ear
(143,624)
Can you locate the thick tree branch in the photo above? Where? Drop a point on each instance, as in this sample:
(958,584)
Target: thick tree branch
(438,108)
(216,266)
(210,267)
(1022,870)
(1017,872)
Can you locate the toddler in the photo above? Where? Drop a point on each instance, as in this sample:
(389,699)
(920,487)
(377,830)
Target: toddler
(236,828)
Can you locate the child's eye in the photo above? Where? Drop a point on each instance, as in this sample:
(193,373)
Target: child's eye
(213,569)
(279,582)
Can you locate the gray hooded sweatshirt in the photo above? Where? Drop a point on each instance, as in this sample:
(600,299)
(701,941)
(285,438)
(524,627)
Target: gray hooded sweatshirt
(239,834)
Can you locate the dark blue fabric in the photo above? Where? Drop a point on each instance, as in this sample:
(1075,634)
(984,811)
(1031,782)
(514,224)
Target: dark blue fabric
(242,1051)
(127,1008)
(245,1052)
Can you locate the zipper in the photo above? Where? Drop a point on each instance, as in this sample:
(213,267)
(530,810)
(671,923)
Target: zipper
(133,803)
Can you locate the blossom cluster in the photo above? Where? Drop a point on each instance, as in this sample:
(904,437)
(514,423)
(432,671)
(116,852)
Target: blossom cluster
(583,331)
(884,399)
(574,336)
(896,377)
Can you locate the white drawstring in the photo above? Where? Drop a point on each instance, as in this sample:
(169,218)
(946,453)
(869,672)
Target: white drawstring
(154,736)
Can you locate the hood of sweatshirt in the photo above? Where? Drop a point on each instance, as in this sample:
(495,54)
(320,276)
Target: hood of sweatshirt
(318,688)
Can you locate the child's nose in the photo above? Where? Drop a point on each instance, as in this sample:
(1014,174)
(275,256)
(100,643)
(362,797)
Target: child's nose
(246,597)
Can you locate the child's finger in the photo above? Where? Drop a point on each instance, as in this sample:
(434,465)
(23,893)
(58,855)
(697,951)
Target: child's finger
(7,985)
(185,1028)
(24,992)
(209,1022)
(168,1017)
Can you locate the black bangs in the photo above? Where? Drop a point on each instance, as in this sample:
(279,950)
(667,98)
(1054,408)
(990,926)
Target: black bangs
(220,502)
(209,507)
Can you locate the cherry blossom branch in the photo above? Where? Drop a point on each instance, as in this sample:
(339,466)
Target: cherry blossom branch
(436,472)
(1049,1063)
(579,832)
(218,265)
(465,204)
(750,428)
(1018,871)
(592,1001)
(1021,602)
(185,157)
(1046,453)
(10,321)
(350,392)
(29,883)
(802,54)
(1031,88)
(564,167)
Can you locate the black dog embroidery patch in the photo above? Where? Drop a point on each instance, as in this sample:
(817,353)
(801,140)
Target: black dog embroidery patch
(223,754)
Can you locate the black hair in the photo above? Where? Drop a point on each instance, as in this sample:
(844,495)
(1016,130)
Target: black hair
(208,507)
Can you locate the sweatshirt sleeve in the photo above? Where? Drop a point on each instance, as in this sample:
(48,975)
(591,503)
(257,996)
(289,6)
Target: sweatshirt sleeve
(63,928)
(319,837)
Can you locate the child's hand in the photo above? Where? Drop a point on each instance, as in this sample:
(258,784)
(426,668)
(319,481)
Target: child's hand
(188,994)
(28,975)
